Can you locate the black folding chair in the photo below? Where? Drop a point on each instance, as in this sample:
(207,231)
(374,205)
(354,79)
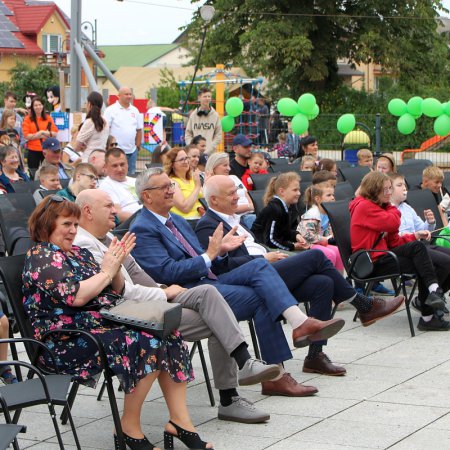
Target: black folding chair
(305,176)
(15,209)
(344,191)
(261,180)
(11,275)
(9,430)
(339,215)
(354,175)
(257,199)
(422,199)
(26,186)
(40,388)
(413,181)
(418,163)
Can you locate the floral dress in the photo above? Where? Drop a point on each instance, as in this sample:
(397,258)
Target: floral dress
(50,282)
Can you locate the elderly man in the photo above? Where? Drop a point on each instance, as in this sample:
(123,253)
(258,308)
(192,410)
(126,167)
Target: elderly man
(84,177)
(242,148)
(125,124)
(205,313)
(168,249)
(51,149)
(308,275)
(118,185)
(204,120)
(97,159)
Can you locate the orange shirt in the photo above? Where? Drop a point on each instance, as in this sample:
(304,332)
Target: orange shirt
(29,127)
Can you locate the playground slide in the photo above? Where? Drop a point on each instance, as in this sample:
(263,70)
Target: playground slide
(431,144)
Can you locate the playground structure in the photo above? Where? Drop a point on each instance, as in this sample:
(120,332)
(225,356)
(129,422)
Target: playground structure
(222,80)
(434,143)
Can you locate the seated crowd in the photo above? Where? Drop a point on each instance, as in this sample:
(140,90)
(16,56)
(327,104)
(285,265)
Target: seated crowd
(192,237)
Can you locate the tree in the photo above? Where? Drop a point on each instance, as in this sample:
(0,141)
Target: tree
(297,44)
(26,78)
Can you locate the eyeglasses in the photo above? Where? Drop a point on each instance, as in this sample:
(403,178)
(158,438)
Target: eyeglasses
(187,158)
(165,187)
(387,190)
(90,176)
(54,198)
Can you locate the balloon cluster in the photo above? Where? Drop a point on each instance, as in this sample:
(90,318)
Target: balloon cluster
(234,107)
(302,111)
(409,112)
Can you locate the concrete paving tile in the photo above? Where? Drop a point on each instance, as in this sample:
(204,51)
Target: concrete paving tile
(441,424)
(391,414)
(315,406)
(425,439)
(348,433)
(293,444)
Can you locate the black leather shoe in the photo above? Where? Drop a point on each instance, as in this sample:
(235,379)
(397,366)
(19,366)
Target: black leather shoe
(435,324)
(436,300)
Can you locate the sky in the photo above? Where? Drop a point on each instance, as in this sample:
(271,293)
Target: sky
(138,21)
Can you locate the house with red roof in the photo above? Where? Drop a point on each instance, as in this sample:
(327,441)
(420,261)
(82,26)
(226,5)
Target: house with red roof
(33,32)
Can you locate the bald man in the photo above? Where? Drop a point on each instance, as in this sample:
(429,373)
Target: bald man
(206,314)
(125,124)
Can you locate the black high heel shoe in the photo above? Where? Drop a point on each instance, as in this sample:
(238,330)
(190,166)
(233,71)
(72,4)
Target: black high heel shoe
(188,438)
(134,444)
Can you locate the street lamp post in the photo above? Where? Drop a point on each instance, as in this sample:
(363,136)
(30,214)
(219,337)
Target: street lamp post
(85,25)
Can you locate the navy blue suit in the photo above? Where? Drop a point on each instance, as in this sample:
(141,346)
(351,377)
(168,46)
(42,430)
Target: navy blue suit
(308,275)
(254,291)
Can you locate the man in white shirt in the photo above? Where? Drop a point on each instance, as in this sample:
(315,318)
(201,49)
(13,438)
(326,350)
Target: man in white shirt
(118,185)
(125,124)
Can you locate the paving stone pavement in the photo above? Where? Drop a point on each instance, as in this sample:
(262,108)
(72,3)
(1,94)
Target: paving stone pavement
(395,395)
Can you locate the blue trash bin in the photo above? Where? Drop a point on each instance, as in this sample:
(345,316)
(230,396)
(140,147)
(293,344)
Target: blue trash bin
(178,133)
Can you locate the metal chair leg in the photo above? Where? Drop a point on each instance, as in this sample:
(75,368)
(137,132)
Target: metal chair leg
(206,373)
(254,339)
(70,401)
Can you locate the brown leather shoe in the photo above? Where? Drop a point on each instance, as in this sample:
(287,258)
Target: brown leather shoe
(322,364)
(286,386)
(313,330)
(381,308)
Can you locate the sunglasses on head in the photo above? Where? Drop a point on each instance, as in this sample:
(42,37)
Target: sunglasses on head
(54,198)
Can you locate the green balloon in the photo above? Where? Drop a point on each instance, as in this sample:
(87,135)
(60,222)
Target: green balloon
(315,112)
(432,107)
(442,125)
(406,124)
(299,124)
(414,106)
(234,106)
(287,107)
(397,107)
(227,123)
(306,103)
(346,123)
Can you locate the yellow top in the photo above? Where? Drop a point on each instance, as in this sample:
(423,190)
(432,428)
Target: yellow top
(187,187)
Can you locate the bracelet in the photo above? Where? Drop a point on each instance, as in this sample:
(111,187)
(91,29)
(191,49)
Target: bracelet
(109,276)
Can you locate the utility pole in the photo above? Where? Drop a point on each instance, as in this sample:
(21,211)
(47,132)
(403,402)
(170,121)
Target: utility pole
(75,66)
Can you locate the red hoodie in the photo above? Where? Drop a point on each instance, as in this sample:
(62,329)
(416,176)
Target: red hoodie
(368,220)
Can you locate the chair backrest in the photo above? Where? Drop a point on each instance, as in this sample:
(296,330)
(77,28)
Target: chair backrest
(257,199)
(11,268)
(15,209)
(305,175)
(48,192)
(413,181)
(421,199)
(417,162)
(354,175)
(339,215)
(410,169)
(261,180)
(26,186)
(344,163)
(344,191)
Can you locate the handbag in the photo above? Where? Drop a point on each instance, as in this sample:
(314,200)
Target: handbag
(361,263)
(157,317)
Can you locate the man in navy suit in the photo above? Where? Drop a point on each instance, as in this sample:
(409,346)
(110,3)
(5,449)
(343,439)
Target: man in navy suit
(308,275)
(168,250)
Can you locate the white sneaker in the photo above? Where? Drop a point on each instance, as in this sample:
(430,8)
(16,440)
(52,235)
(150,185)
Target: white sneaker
(256,371)
(243,411)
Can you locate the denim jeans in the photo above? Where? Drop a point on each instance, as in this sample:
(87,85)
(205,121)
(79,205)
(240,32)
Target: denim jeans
(132,159)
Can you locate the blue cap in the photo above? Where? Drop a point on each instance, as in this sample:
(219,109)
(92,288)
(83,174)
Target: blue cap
(240,139)
(52,144)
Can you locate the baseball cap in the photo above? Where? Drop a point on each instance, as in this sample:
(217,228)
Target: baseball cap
(240,139)
(52,144)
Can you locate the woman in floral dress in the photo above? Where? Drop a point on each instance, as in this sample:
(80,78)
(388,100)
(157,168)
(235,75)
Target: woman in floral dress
(64,287)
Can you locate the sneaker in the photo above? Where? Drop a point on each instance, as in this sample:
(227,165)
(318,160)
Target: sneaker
(435,324)
(7,377)
(256,371)
(415,303)
(243,411)
(436,300)
(380,289)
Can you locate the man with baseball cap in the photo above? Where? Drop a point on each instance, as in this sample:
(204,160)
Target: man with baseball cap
(51,149)
(242,147)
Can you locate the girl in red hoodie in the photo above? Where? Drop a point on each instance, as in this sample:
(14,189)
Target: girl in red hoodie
(372,216)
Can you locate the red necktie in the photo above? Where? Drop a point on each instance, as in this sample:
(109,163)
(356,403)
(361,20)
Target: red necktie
(171,226)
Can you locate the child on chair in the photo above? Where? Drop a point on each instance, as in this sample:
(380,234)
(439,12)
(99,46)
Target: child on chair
(315,226)
(255,165)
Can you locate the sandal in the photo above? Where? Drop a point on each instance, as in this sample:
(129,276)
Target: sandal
(134,444)
(188,438)
(8,377)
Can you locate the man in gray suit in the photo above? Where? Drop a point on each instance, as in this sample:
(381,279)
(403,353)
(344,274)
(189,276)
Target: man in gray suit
(206,314)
